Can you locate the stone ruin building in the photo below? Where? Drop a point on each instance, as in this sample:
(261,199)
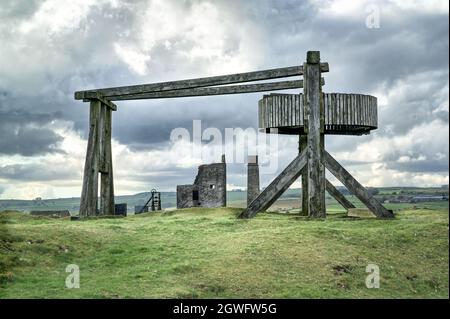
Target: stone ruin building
(209,188)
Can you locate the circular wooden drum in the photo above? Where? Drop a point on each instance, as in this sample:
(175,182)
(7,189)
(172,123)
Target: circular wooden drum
(344,114)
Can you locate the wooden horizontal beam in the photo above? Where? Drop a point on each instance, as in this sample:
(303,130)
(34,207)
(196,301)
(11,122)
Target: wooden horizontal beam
(215,90)
(200,82)
(98,96)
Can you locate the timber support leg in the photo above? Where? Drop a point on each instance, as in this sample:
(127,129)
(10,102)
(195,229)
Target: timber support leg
(315,138)
(355,187)
(338,196)
(98,160)
(107,183)
(304,177)
(89,193)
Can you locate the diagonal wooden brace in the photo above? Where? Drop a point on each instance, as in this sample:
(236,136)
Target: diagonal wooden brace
(355,187)
(278,186)
(338,195)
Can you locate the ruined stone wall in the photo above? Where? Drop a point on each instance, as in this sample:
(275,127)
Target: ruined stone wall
(209,185)
(185,196)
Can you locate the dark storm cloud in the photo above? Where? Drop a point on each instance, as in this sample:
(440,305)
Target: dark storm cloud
(406,59)
(151,122)
(361,60)
(36,172)
(26,134)
(421,166)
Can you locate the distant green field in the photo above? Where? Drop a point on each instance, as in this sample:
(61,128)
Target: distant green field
(290,199)
(209,253)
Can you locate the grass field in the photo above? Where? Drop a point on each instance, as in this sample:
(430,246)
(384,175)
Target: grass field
(208,253)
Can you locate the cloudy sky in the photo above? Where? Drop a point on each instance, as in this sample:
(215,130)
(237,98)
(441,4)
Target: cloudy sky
(51,48)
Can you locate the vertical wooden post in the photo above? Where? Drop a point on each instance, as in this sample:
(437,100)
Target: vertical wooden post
(89,193)
(107,182)
(98,160)
(313,108)
(303,146)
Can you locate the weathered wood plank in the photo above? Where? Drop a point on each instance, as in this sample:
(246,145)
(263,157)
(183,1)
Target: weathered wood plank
(278,186)
(312,93)
(338,196)
(200,82)
(107,182)
(89,193)
(214,90)
(299,100)
(355,187)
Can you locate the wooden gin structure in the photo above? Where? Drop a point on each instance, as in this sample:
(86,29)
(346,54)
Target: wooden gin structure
(309,114)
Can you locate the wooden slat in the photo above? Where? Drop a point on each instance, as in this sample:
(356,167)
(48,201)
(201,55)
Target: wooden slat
(289,112)
(347,108)
(364,104)
(272,113)
(331,107)
(200,82)
(300,103)
(286,111)
(352,113)
(338,109)
(375,115)
(260,122)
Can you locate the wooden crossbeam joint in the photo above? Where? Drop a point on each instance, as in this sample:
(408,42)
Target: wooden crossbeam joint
(89,96)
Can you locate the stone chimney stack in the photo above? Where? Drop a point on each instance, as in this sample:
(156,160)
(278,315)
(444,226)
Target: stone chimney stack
(252,178)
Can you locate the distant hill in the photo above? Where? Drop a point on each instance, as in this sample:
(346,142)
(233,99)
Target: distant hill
(235,198)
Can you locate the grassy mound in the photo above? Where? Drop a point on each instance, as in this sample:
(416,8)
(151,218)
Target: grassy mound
(208,253)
